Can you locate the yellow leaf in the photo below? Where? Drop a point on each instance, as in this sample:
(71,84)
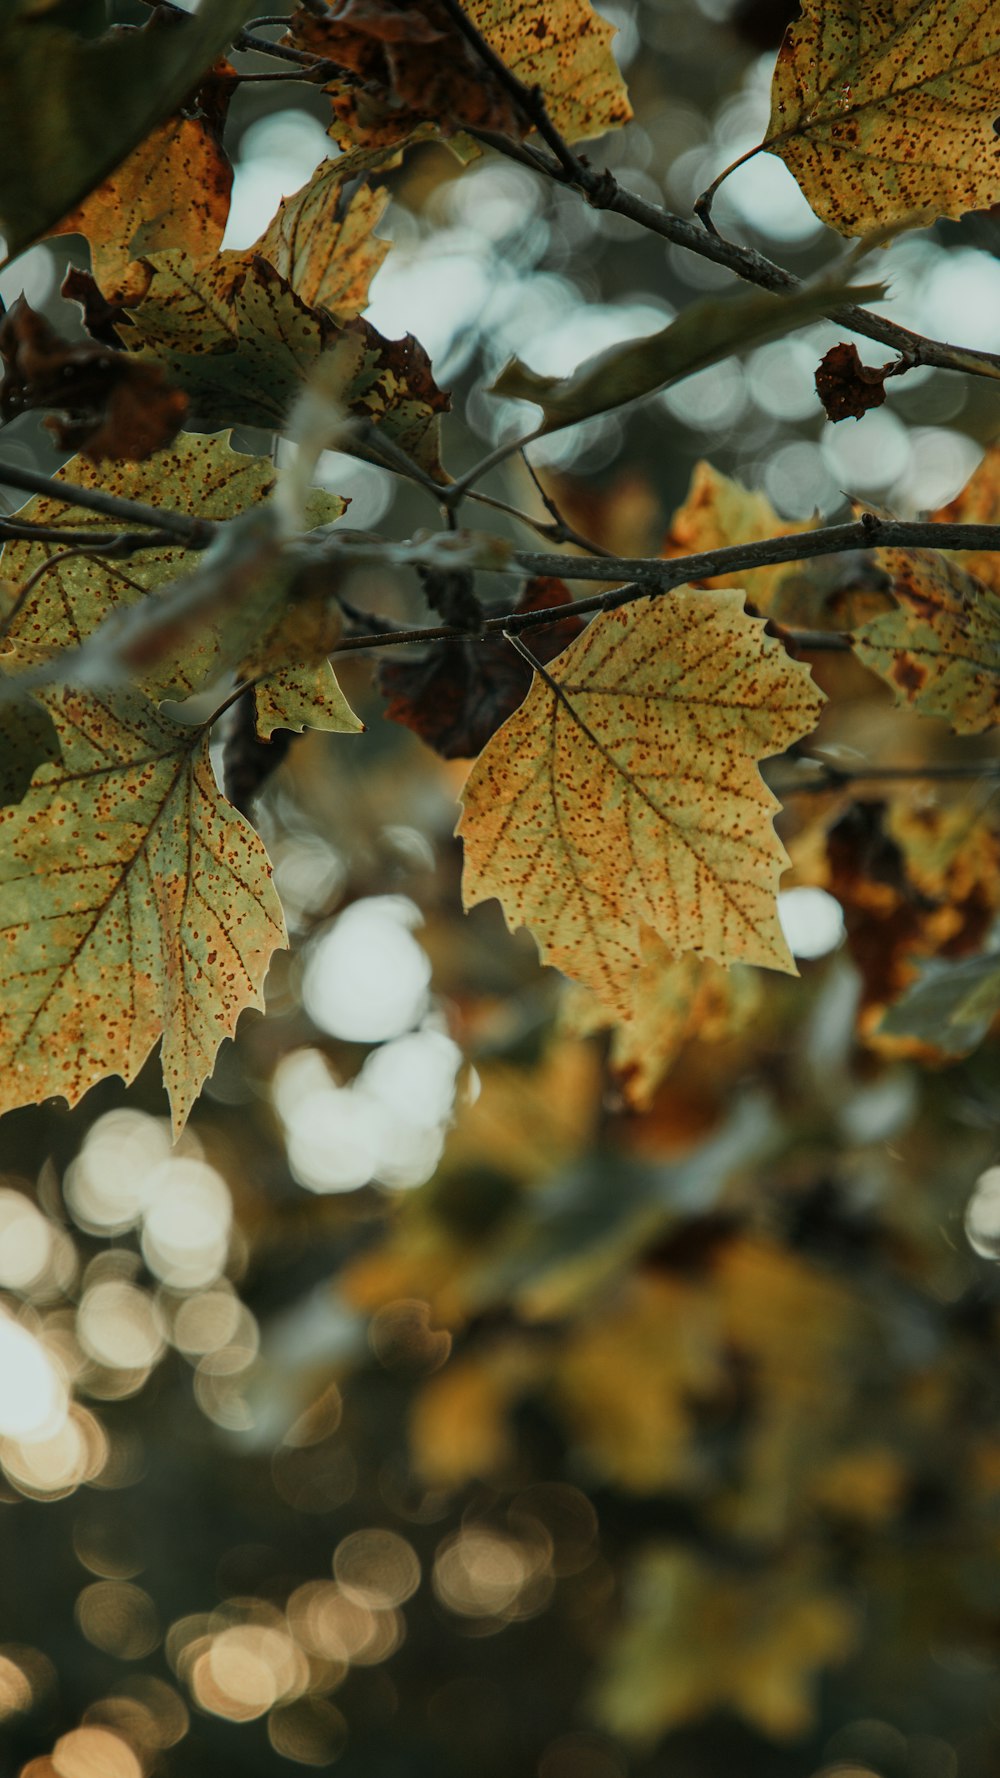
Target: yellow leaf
(885,111)
(939,649)
(172,191)
(134,903)
(978,503)
(697,1637)
(719,511)
(322,240)
(629,795)
(674,1001)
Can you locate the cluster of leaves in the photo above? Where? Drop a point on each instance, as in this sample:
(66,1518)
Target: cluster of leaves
(167,590)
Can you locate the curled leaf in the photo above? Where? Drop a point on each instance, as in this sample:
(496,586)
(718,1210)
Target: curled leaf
(706,331)
(847,387)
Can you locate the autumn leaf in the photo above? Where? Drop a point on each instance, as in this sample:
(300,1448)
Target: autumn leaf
(172,191)
(73,107)
(706,331)
(134,904)
(239,341)
(458,696)
(421,69)
(322,240)
(948,1008)
(886,111)
(978,503)
(202,477)
(627,794)
(302,692)
(697,1637)
(106,403)
(675,1000)
(939,648)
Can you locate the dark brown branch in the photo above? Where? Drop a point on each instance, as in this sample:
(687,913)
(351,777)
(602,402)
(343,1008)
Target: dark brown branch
(105,543)
(833,777)
(198,533)
(646,577)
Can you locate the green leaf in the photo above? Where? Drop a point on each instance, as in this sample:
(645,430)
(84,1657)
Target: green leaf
(704,333)
(952,1005)
(72,107)
(134,904)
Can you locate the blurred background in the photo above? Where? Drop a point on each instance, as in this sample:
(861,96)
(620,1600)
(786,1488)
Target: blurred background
(428,1409)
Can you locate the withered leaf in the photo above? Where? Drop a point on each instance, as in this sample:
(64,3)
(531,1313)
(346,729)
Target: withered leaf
(106,403)
(847,387)
(460,693)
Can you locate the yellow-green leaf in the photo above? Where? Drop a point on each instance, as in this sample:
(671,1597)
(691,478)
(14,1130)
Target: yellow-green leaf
(134,903)
(630,797)
(885,110)
(240,342)
(705,332)
(939,649)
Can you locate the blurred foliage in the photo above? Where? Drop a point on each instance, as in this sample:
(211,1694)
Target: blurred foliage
(434,1410)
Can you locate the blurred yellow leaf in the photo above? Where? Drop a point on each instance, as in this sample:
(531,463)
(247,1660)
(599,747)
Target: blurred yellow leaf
(939,649)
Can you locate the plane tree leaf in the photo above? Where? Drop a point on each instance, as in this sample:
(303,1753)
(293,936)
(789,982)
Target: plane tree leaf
(322,240)
(134,904)
(939,648)
(417,68)
(91,100)
(978,503)
(885,111)
(706,331)
(950,1007)
(626,793)
(239,342)
(172,191)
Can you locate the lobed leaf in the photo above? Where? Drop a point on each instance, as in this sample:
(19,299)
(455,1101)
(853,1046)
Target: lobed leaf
(939,649)
(885,111)
(134,904)
(627,794)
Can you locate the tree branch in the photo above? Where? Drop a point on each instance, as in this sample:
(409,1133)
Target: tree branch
(197,533)
(645,577)
(833,777)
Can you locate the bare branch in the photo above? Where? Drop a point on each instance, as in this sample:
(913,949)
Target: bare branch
(197,533)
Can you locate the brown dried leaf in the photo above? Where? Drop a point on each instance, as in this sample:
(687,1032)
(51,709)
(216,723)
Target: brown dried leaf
(107,404)
(885,112)
(419,71)
(847,387)
(460,693)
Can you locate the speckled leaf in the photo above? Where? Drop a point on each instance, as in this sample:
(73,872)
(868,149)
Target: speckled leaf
(172,191)
(238,341)
(27,740)
(199,476)
(939,649)
(323,240)
(708,330)
(72,107)
(675,1000)
(422,69)
(885,111)
(304,693)
(134,904)
(632,798)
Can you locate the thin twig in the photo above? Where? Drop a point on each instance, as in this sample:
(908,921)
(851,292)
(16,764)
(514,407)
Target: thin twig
(198,533)
(564,533)
(530,101)
(105,543)
(833,777)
